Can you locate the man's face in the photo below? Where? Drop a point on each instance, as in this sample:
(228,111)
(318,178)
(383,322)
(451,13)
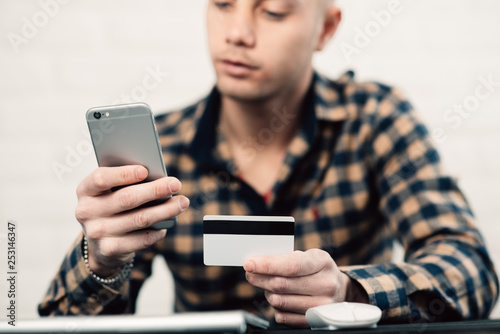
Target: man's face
(260,47)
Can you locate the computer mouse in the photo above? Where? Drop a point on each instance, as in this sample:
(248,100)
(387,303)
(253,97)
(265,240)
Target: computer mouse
(343,315)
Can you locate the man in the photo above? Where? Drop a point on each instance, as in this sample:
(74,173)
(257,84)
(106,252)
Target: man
(350,161)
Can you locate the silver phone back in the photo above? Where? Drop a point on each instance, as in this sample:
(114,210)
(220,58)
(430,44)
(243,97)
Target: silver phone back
(126,135)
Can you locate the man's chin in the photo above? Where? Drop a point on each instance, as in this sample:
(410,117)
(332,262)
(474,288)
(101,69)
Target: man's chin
(243,90)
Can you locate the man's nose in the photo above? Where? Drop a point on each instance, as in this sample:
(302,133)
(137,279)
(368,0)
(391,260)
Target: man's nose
(241,30)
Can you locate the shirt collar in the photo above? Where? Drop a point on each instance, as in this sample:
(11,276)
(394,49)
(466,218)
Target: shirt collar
(204,141)
(331,97)
(325,101)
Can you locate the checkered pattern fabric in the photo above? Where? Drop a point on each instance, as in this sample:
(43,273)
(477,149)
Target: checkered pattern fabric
(360,174)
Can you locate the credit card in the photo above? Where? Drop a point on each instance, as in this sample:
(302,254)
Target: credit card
(230,240)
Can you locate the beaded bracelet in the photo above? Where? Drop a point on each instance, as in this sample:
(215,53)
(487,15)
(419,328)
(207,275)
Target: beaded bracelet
(122,275)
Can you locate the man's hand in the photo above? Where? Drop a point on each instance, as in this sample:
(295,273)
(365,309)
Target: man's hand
(113,229)
(298,281)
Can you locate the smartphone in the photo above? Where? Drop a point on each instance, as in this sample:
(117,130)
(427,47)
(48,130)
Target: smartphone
(126,135)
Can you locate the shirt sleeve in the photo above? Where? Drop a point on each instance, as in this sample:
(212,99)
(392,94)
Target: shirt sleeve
(447,273)
(73,291)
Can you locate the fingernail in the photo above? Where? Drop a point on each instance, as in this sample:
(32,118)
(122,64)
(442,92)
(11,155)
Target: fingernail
(141,173)
(183,203)
(249,266)
(174,186)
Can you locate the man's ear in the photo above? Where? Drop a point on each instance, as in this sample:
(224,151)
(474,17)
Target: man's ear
(333,15)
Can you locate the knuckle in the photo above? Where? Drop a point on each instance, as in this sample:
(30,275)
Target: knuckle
(317,253)
(295,268)
(109,249)
(325,258)
(96,232)
(277,301)
(250,278)
(158,189)
(279,284)
(322,255)
(141,220)
(126,200)
(98,179)
(280,317)
(126,174)
(82,213)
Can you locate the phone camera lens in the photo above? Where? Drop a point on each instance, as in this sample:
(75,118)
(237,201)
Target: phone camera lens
(97,115)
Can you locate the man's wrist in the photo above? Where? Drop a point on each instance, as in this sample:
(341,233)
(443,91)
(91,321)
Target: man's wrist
(355,292)
(106,275)
(102,271)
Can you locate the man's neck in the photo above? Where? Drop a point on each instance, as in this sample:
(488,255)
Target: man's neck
(243,120)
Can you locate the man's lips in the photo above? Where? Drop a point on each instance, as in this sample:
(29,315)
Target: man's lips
(237,68)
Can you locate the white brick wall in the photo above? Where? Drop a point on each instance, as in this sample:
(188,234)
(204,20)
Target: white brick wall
(91,52)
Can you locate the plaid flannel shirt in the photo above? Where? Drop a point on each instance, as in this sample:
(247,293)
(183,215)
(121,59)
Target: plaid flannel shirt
(360,173)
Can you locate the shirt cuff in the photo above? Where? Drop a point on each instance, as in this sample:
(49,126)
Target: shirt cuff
(383,288)
(85,294)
